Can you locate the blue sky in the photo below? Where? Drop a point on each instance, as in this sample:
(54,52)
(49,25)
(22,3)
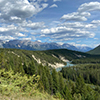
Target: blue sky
(63,21)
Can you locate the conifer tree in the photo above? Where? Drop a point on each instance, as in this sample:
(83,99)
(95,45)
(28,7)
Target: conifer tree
(61,82)
(31,68)
(80,86)
(67,94)
(55,81)
(45,81)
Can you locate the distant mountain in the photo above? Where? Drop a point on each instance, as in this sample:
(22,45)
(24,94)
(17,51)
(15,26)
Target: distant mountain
(84,48)
(70,47)
(95,51)
(29,45)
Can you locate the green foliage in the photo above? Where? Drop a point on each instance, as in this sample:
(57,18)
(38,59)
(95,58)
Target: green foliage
(83,92)
(55,81)
(67,94)
(10,82)
(20,73)
(88,60)
(90,73)
(61,82)
(95,51)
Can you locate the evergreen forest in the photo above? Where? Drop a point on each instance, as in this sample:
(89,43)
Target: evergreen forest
(22,78)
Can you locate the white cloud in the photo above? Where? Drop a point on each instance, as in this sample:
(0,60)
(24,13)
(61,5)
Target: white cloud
(14,17)
(91,6)
(33,26)
(20,34)
(76,16)
(6,38)
(41,0)
(53,6)
(39,40)
(71,30)
(19,10)
(60,43)
(64,33)
(26,38)
(12,30)
(76,45)
(96,22)
(56,0)
(78,25)
(83,12)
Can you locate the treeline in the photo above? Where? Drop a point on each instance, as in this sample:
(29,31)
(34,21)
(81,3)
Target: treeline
(90,73)
(93,60)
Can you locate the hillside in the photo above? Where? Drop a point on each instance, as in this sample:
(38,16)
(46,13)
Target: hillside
(95,51)
(27,75)
(53,58)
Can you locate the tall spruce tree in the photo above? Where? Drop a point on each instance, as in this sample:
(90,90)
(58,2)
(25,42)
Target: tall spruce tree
(67,94)
(31,68)
(55,81)
(61,82)
(45,81)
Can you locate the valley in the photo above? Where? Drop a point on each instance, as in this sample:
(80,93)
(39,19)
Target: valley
(49,50)
(59,72)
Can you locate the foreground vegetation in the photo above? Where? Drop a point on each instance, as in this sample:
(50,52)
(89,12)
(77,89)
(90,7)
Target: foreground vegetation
(20,87)
(21,78)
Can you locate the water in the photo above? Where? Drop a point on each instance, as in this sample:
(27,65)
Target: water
(68,65)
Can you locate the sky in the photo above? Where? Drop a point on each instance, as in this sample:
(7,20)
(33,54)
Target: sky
(76,22)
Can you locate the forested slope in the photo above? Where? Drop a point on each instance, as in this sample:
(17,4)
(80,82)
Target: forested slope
(49,57)
(21,77)
(95,51)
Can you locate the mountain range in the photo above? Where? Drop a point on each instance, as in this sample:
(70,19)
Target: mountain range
(30,45)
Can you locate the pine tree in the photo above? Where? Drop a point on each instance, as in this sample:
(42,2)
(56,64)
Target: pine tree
(61,82)
(45,81)
(80,86)
(55,81)
(31,68)
(67,94)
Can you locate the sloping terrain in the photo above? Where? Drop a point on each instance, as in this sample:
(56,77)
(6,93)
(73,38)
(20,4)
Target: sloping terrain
(53,58)
(21,72)
(95,51)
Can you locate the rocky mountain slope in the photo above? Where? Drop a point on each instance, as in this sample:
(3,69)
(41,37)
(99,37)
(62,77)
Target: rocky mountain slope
(29,45)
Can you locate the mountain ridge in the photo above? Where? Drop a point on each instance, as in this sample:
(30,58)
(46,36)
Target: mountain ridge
(95,51)
(30,45)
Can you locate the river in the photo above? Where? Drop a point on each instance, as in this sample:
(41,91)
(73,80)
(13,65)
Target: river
(67,65)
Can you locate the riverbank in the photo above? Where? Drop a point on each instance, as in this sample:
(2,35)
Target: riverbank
(68,64)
